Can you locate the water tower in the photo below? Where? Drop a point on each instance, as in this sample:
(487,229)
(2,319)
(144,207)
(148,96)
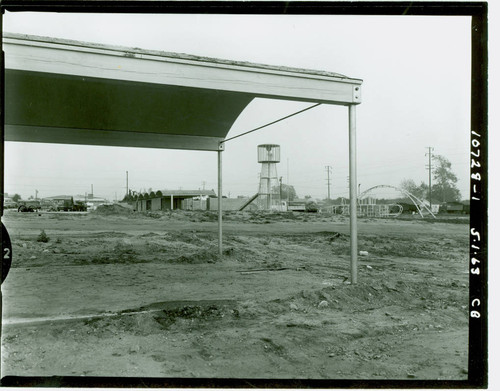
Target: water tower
(269,194)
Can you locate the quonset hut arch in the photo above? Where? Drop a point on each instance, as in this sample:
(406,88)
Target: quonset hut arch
(72,92)
(419,204)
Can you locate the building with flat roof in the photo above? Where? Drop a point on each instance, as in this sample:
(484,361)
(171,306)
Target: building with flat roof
(167,199)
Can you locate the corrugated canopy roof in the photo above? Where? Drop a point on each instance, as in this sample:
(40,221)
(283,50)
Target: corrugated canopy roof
(188,193)
(62,91)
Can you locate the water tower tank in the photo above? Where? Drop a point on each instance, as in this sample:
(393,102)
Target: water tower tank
(268,153)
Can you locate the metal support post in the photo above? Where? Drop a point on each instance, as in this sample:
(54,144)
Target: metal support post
(219,199)
(353,194)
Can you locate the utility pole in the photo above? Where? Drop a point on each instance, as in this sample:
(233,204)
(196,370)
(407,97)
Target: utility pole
(288,179)
(328,172)
(430,171)
(203,185)
(126,194)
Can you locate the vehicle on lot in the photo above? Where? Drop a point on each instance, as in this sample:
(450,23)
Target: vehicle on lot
(79,206)
(69,205)
(28,206)
(65,205)
(60,205)
(8,203)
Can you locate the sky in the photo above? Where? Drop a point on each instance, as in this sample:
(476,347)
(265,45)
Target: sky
(416,94)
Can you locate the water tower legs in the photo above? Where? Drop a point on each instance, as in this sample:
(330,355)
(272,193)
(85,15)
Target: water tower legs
(269,187)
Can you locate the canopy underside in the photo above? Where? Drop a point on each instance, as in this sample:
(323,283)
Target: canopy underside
(60,91)
(84,110)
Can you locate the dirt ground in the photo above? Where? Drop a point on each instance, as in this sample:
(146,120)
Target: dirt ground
(117,293)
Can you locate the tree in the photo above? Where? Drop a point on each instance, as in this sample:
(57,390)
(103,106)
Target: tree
(411,187)
(129,197)
(444,180)
(287,192)
(330,201)
(16,197)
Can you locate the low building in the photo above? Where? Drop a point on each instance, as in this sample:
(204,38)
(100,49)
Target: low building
(436,204)
(297,205)
(227,203)
(168,199)
(90,201)
(455,207)
(195,203)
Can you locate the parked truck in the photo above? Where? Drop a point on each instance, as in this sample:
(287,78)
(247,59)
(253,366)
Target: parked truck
(66,204)
(69,205)
(28,205)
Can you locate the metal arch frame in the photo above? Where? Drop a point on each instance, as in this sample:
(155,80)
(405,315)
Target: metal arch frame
(416,201)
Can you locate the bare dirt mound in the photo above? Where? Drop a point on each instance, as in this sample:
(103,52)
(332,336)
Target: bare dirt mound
(114,209)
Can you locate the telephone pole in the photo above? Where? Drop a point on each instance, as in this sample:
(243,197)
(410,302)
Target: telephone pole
(429,166)
(288,179)
(328,172)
